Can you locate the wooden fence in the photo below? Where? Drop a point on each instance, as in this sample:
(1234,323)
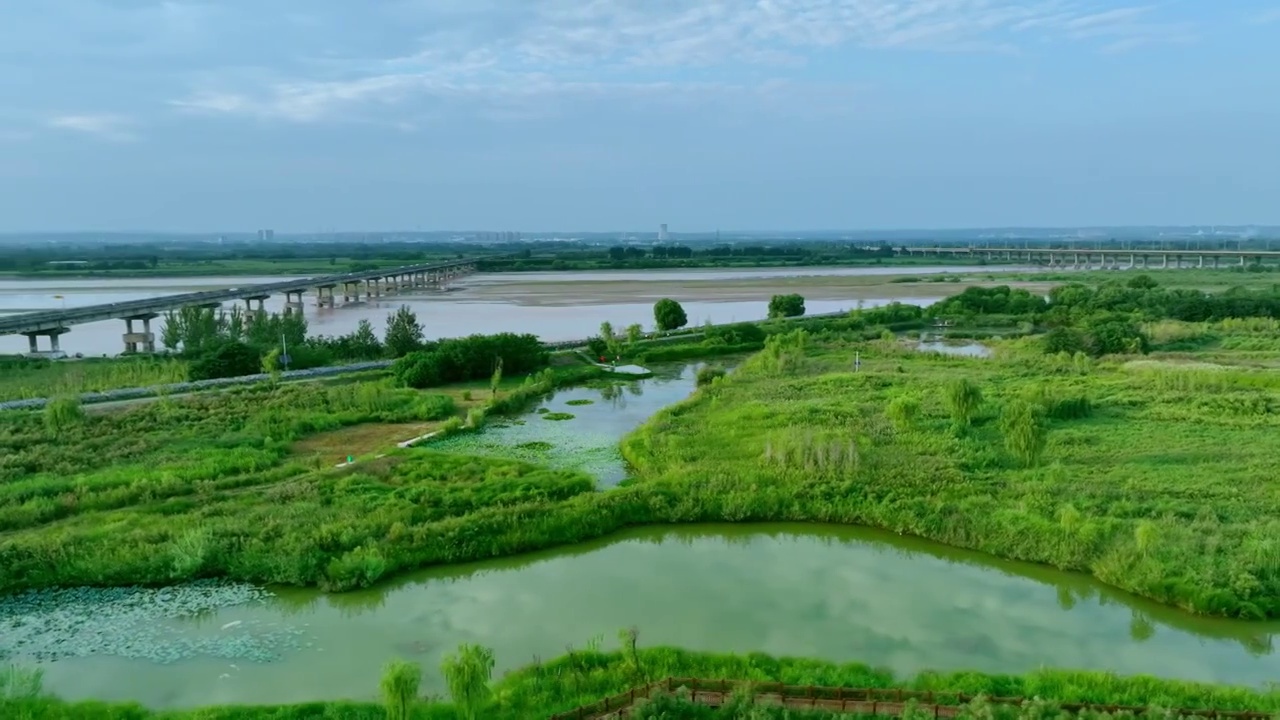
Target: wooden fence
(864,701)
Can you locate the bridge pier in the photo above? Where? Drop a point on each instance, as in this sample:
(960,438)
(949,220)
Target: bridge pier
(324,295)
(372,289)
(293,301)
(146,338)
(33,343)
(350,291)
(260,299)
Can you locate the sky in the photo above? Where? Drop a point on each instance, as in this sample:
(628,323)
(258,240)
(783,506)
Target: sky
(315,115)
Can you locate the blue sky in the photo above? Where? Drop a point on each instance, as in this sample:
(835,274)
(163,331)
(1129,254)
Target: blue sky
(608,114)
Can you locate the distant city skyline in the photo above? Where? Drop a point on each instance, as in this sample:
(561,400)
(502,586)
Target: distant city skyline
(189,116)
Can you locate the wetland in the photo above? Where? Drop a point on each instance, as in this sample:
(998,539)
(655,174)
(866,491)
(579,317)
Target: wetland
(1084,487)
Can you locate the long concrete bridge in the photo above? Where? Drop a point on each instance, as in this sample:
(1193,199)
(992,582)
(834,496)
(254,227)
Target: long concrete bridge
(1108,259)
(371,283)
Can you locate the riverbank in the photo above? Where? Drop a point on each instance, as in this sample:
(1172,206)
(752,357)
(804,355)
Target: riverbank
(1132,480)
(559,305)
(584,676)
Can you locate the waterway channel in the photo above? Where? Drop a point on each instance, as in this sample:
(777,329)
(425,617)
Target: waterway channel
(556,306)
(838,593)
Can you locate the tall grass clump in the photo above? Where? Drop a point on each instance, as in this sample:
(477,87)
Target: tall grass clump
(62,414)
(963,398)
(20,683)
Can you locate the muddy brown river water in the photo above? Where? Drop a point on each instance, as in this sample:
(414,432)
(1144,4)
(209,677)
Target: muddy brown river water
(556,306)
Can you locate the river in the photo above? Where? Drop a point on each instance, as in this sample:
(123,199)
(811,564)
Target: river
(838,593)
(556,306)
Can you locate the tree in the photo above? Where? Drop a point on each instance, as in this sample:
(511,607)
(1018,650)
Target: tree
(669,315)
(1024,429)
(635,333)
(496,378)
(1064,340)
(404,332)
(786,306)
(399,684)
(467,673)
(364,342)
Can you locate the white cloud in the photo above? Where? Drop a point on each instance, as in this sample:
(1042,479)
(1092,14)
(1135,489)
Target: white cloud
(115,128)
(499,58)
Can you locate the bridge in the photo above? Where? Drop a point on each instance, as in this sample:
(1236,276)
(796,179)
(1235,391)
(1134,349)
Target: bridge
(370,283)
(1108,259)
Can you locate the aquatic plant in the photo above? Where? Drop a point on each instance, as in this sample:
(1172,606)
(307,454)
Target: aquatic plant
(558,416)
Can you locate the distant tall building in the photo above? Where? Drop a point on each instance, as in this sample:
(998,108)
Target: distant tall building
(267,235)
(662,232)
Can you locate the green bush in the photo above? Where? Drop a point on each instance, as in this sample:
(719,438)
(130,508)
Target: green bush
(471,358)
(230,358)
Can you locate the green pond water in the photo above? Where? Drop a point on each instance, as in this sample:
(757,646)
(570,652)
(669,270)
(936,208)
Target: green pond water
(579,428)
(837,593)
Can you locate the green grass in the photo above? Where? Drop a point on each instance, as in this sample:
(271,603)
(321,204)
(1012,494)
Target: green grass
(1163,488)
(21,378)
(209,486)
(587,675)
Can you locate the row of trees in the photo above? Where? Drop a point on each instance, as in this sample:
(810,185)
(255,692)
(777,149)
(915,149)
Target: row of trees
(1106,319)
(229,343)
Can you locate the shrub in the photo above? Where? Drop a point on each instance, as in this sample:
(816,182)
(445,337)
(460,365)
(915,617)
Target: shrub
(475,357)
(707,374)
(903,411)
(1064,340)
(230,358)
(736,334)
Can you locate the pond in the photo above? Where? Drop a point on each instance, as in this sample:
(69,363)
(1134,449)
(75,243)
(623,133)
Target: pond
(953,347)
(837,593)
(580,428)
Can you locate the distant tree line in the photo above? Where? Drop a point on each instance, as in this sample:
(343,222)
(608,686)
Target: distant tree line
(1106,319)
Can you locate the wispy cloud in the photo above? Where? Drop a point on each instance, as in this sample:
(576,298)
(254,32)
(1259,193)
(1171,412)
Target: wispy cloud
(115,128)
(496,57)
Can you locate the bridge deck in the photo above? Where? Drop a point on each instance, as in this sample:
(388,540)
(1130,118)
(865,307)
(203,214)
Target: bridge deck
(62,318)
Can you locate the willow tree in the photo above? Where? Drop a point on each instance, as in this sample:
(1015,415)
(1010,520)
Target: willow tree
(399,685)
(467,672)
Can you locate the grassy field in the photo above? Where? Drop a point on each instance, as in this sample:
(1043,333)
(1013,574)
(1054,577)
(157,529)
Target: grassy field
(585,675)
(1152,474)
(21,378)
(242,484)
